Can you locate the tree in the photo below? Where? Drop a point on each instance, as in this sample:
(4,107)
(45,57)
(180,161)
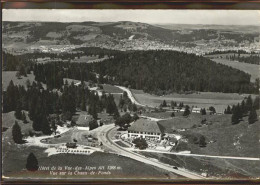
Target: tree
(228,111)
(243,107)
(17,134)
(135,117)
(212,109)
(32,163)
(202,141)
(83,104)
(252,116)
(256,103)
(203,111)
(45,126)
(140,143)
(18,75)
(187,111)
(134,107)
(18,113)
(93,124)
(124,121)
(24,118)
(235,116)
(173,104)
(92,110)
(164,104)
(249,103)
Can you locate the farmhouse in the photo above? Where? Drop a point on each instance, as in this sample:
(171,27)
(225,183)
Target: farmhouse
(182,110)
(176,110)
(196,110)
(146,129)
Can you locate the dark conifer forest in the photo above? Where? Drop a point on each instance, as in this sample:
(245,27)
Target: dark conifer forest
(171,71)
(154,71)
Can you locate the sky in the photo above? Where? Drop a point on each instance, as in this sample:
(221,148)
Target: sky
(220,17)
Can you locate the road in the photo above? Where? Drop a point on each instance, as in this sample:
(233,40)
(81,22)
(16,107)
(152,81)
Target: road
(199,155)
(107,142)
(130,95)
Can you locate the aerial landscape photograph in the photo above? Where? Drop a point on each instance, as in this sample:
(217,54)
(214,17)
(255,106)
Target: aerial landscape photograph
(130,94)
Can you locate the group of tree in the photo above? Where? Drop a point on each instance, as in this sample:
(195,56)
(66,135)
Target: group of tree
(124,121)
(212,110)
(230,52)
(101,52)
(203,111)
(247,107)
(200,140)
(140,143)
(186,111)
(93,124)
(20,63)
(251,59)
(172,71)
(19,114)
(53,73)
(173,104)
(125,103)
(40,103)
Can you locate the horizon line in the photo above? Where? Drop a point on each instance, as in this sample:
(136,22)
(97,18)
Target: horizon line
(134,22)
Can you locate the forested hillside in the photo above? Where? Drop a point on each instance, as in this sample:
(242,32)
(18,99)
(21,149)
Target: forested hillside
(154,71)
(168,71)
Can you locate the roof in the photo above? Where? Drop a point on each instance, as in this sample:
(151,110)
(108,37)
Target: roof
(83,120)
(196,109)
(145,125)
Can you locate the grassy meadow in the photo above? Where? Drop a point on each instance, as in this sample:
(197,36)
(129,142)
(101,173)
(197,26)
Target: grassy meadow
(202,99)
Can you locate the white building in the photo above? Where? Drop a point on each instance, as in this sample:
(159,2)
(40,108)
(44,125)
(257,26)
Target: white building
(146,129)
(196,110)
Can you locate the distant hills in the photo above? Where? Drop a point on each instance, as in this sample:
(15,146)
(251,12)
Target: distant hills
(113,34)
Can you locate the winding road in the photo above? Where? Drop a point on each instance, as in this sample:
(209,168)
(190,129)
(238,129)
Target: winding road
(130,95)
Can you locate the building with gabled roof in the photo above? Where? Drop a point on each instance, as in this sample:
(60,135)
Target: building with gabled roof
(196,110)
(146,129)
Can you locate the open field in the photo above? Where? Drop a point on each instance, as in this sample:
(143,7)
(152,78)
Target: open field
(252,69)
(64,138)
(15,160)
(223,138)
(8,120)
(7,76)
(229,54)
(85,59)
(203,99)
(14,157)
(180,122)
(111,89)
(158,115)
